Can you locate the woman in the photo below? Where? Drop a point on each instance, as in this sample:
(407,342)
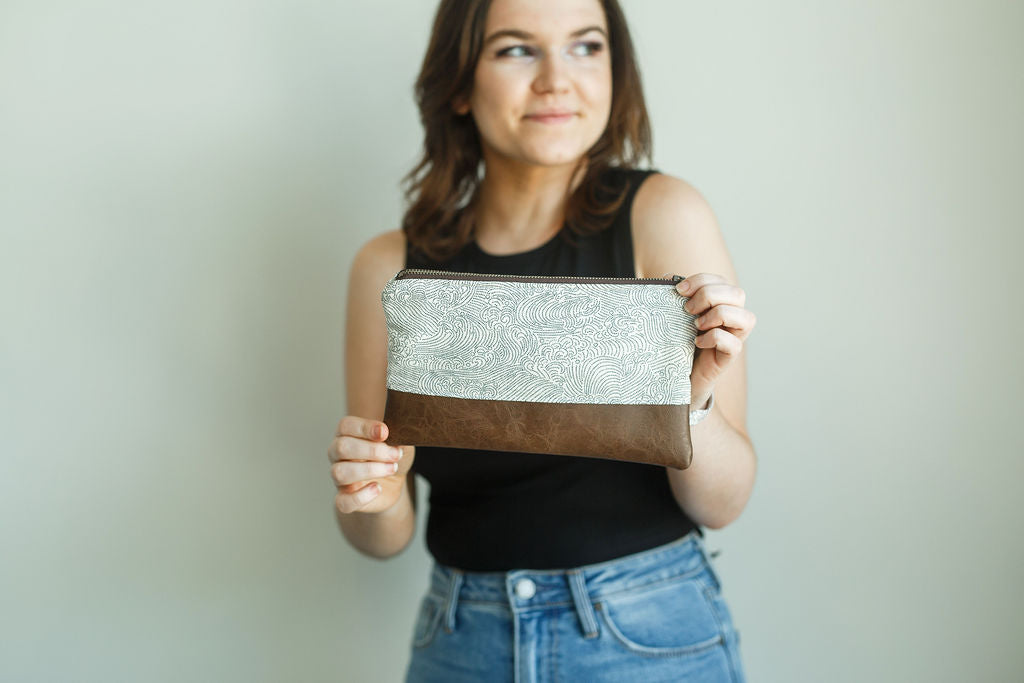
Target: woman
(550,567)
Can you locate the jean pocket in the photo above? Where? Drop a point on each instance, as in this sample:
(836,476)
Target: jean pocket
(666,618)
(427,621)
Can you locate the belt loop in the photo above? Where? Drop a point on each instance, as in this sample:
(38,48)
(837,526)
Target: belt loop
(451,602)
(584,608)
(707,562)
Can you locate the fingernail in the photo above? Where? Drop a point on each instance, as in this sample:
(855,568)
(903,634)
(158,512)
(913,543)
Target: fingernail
(379,431)
(683,287)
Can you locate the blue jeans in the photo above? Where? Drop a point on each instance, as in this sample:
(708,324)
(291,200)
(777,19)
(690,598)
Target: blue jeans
(653,616)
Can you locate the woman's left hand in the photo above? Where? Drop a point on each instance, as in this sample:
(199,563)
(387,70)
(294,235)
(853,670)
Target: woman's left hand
(722,326)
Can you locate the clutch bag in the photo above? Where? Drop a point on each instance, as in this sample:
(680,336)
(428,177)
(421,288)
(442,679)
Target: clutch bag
(581,366)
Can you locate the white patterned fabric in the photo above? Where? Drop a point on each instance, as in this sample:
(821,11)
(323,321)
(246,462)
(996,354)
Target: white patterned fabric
(539,341)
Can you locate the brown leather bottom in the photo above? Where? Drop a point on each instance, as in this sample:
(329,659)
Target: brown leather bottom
(652,434)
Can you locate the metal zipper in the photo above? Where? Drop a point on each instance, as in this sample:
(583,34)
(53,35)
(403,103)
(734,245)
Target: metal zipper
(427,273)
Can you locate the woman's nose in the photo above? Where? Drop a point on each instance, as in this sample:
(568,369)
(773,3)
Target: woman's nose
(554,73)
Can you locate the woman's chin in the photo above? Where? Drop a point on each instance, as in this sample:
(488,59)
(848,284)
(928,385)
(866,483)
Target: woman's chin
(555,157)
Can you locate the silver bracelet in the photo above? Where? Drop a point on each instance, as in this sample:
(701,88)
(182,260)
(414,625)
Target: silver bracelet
(698,415)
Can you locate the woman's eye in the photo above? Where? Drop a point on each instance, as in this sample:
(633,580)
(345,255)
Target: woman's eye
(584,49)
(593,47)
(509,50)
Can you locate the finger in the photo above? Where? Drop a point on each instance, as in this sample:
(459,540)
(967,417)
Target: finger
(720,341)
(738,333)
(356,448)
(738,321)
(347,472)
(692,283)
(713,295)
(353,425)
(350,502)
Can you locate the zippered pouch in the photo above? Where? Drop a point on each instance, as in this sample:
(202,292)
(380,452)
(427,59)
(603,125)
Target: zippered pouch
(581,366)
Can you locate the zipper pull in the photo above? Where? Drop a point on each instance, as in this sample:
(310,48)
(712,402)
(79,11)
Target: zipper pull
(676,279)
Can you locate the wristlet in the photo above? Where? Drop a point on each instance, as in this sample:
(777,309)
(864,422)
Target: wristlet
(581,366)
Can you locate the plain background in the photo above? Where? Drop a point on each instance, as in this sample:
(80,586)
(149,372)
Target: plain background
(183,186)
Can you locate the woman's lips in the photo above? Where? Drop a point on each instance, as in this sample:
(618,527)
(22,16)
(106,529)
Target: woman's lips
(550,118)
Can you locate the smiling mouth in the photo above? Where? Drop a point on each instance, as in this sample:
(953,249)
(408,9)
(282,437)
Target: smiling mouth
(551,118)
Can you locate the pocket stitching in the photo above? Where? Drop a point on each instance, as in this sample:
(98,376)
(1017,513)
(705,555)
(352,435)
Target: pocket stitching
(710,595)
(432,624)
(696,648)
(647,650)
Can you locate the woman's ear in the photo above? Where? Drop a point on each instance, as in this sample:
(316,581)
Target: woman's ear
(460,106)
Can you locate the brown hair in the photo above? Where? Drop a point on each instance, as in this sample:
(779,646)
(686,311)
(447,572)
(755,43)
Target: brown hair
(442,188)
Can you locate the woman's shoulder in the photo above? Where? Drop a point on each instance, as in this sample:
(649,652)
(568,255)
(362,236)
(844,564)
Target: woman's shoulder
(675,229)
(663,201)
(379,258)
(385,248)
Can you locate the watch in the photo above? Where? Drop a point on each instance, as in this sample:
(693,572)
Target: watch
(698,415)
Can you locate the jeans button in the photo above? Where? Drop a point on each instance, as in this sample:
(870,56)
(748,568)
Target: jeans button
(526,588)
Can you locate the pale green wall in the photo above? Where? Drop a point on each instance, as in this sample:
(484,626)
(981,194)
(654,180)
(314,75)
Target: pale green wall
(182,188)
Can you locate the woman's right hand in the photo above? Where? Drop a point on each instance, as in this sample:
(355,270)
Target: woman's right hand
(360,461)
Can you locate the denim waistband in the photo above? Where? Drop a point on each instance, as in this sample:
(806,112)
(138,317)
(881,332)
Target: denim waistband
(548,587)
(524,590)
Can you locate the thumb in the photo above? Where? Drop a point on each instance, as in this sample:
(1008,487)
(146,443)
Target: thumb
(706,367)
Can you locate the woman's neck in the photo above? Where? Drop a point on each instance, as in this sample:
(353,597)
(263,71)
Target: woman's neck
(521,206)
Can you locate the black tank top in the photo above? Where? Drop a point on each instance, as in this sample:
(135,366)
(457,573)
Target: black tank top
(500,510)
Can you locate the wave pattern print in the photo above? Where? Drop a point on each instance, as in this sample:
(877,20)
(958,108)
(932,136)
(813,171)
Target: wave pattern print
(539,341)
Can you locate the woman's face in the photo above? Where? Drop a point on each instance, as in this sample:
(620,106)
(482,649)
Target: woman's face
(541,56)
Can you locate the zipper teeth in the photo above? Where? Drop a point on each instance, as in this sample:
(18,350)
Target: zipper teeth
(497,276)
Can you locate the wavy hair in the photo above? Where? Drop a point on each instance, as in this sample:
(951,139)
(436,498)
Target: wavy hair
(441,190)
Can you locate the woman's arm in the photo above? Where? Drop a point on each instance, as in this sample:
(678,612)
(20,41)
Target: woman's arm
(377,534)
(675,231)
